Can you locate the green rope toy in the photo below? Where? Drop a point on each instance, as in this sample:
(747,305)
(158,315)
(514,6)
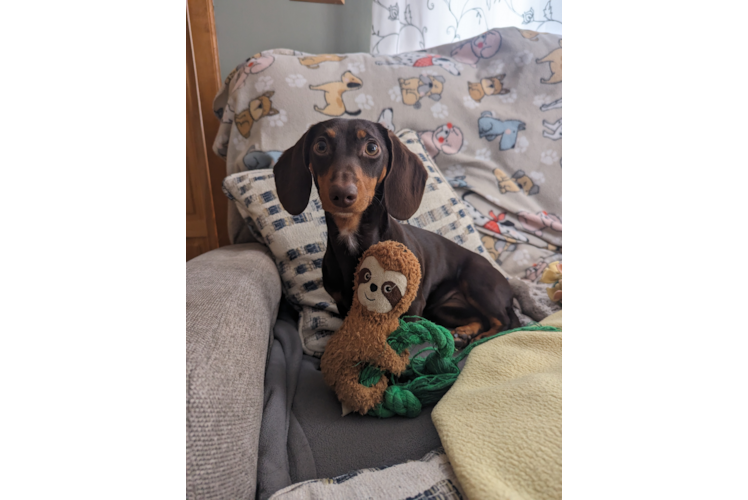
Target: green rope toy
(428,378)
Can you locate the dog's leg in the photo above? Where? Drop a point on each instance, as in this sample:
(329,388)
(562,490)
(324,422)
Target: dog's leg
(495,328)
(463,334)
(490,294)
(456,314)
(496,325)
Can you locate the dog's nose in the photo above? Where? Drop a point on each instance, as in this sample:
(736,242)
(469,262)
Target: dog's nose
(373,287)
(343,196)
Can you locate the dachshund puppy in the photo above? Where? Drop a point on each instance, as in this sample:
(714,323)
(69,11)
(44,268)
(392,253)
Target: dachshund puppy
(368,180)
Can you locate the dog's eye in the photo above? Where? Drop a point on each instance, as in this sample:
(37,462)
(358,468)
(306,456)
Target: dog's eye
(320,147)
(371,148)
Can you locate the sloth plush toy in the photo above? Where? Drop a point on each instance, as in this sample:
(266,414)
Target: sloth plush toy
(385,284)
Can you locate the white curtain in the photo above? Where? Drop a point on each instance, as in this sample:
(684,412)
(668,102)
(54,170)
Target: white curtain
(408,25)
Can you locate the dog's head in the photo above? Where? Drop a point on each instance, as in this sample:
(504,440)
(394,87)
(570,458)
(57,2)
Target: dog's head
(351,162)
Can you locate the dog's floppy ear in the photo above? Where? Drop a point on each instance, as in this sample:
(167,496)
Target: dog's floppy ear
(405,181)
(293,180)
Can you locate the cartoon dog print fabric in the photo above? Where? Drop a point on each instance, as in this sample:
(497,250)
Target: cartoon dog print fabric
(554,58)
(496,223)
(490,128)
(553,131)
(255,64)
(480,47)
(313,62)
(257,160)
(445,139)
(487,109)
(415,89)
(487,86)
(536,223)
(422,60)
(258,108)
(515,241)
(385,118)
(334,94)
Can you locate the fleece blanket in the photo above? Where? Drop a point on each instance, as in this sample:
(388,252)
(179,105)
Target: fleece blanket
(500,424)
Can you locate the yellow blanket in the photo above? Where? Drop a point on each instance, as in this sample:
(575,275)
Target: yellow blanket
(500,423)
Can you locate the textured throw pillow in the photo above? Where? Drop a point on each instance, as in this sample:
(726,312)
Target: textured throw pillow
(298,242)
(488,110)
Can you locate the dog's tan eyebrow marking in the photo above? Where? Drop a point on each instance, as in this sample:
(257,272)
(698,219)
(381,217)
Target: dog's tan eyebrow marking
(331,133)
(361,133)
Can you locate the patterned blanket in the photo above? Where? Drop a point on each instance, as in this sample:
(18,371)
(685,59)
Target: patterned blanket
(487,109)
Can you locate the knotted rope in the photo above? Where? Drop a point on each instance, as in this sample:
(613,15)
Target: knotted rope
(427,379)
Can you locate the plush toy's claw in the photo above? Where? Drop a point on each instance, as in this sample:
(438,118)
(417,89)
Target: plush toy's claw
(346,409)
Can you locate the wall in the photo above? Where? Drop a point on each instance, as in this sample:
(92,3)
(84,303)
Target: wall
(245,27)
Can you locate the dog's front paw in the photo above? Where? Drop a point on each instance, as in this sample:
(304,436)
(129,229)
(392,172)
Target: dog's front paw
(461,339)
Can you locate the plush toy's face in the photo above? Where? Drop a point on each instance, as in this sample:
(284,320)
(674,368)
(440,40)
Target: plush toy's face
(379,290)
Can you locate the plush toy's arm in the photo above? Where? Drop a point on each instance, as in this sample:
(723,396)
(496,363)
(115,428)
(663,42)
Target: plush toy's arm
(390,361)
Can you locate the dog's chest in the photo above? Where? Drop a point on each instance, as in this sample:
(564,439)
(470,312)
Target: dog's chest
(349,239)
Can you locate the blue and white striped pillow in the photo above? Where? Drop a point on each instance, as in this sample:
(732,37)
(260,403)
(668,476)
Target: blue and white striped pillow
(298,242)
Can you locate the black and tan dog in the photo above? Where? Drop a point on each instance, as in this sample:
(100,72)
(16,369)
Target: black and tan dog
(366,179)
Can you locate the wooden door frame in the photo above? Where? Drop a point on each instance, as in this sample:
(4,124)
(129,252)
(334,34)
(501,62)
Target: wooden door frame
(208,71)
